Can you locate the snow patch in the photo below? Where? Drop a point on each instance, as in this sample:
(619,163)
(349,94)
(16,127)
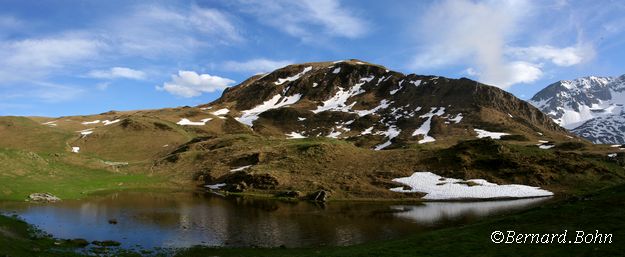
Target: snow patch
(456,119)
(439,188)
(85,132)
(391,132)
(293,78)
(493,135)
(612,155)
(426,126)
(337,102)
(334,133)
(367,131)
(75,149)
(91,122)
(109,122)
(337,70)
(221,112)
(215,186)
(187,122)
(50,123)
(383,105)
(275,102)
(295,135)
(240,168)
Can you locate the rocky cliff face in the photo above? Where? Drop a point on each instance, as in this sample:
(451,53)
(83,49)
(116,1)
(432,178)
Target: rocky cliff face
(377,107)
(591,107)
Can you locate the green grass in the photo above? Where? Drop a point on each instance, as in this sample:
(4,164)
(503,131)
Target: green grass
(23,173)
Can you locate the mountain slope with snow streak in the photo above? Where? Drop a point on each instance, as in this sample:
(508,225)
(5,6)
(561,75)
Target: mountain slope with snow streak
(377,107)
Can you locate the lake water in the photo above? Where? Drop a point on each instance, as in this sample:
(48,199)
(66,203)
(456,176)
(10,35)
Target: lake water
(152,220)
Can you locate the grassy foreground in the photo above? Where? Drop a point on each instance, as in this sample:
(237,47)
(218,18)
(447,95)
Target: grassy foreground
(25,172)
(601,211)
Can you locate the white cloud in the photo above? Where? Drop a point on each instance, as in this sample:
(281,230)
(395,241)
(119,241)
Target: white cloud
(307,19)
(53,93)
(516,72)
(117,72)
(255,65)
(482,34)
(566,56)
(467,31)
(191,84)
(42,91)
(34,58)
(213,22)
(153,30)
(510,74)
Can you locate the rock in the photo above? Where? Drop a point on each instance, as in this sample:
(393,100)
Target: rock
(106,243)
(236,188)
(79,242)
(289,194)
(43,198)
(259,181)
(319,196)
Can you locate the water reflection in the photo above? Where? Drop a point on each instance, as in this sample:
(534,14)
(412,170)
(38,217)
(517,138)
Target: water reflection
(432,213)
(183,219)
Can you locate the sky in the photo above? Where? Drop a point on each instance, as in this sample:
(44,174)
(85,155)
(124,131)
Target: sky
(62,57)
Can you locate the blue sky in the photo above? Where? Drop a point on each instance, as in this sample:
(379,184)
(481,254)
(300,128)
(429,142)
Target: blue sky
(84,57)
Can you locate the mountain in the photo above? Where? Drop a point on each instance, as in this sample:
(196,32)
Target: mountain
(591,107)
(347,127)
(377,108)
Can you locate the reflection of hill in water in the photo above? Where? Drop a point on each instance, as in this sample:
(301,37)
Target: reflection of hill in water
(183,219)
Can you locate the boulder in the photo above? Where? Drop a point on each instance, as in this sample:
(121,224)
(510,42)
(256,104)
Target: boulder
(106,243)
(319,196)
(43,198)
(259,181)
(236,188)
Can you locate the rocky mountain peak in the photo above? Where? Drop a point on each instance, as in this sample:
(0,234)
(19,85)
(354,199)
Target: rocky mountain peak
(376,107)
(575,104)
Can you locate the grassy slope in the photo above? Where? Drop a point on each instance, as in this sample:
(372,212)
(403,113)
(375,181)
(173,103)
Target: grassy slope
(26,134)
(350,172)
(26,172)
(36,158)
(602,210)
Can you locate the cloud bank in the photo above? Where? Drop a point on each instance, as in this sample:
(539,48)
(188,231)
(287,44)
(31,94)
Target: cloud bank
(191,84)
(482,34)
(118,72)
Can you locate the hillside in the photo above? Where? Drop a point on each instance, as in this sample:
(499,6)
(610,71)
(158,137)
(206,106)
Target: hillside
(349,128)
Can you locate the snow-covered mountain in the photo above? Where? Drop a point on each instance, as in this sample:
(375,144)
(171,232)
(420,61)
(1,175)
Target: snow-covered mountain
(591,107)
